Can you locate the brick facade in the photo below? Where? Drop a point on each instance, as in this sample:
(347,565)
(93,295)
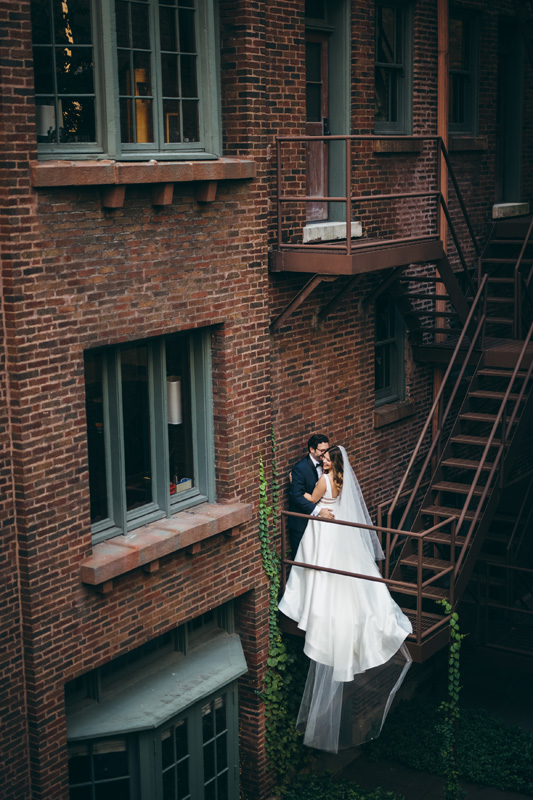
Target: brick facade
(76,275)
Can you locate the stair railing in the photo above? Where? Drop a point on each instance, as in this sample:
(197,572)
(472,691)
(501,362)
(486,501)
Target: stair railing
(504,422)
(478,333)
(466,217)
(519,519)
(518,279)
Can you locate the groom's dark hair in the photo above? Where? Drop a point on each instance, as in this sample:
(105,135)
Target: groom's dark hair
(316,439)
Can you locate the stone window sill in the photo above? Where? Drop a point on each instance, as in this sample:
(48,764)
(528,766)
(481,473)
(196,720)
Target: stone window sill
(389,413)
(406,144)
(114,176)
(144,547)
(457,144)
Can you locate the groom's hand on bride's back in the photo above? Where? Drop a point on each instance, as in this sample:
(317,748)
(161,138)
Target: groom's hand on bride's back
(325,513)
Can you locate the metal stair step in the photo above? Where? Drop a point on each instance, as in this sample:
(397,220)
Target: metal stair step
(454,486)
(465,438)
(436,564)
(490,395)
(494,372)
(500,299)
(442,537)
(505,261)
(464,463)
(497,279)
(501,320)
(478,416)
(435,592)
(444,511)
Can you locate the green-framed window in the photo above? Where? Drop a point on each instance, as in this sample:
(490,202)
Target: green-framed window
(393,67)
(389,355)
(149,430)
(125,78)
(463,71)
(193,756)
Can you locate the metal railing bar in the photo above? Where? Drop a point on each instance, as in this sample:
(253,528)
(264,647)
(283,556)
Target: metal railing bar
(459,195)
(457,243)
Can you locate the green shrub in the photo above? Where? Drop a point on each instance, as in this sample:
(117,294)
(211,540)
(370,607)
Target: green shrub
(324,787)
(489,752)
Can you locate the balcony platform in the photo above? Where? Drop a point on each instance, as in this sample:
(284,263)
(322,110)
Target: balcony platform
(367,255)
(501,353)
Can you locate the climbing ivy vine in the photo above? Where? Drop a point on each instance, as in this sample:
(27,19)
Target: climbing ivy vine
(450,709)
(283,742)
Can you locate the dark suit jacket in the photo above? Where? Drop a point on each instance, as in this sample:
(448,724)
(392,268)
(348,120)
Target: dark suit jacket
(303,480)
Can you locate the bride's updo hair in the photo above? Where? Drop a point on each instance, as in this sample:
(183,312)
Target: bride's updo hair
(337,465)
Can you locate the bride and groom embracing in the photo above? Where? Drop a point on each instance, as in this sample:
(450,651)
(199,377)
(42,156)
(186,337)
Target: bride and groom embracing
(354,631)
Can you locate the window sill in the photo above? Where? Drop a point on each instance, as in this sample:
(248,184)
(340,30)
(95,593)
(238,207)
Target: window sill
(457,143)
(114,176)
(145,546)
(392,144)
(393,412)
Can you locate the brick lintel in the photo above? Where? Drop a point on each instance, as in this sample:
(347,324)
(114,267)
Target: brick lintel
(144,546)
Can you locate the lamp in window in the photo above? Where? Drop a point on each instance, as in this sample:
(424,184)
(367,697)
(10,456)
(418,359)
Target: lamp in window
(174,408)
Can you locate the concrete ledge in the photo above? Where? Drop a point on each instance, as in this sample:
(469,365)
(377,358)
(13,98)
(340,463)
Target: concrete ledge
(394,144)
(458,143)
(506,210)
(393,412)
(100,173)
(144,545)
(330,231)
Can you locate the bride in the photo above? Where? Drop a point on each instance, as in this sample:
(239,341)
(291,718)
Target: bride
(354,631)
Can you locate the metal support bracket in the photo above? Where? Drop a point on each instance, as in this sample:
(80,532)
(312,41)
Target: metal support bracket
(304,292)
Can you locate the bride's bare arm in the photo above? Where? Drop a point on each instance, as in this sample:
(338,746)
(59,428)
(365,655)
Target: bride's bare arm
(318,491)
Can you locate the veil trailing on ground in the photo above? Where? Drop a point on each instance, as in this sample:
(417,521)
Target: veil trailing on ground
(355,631)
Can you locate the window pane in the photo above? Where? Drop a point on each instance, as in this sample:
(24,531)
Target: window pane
(135,73)
(74,67)
(78,120)
(167,29)
(222,752)
(191,129)
(81,793)
(126,121)
(208,722)
(114,790)
(136,420)
(189,80)
(122,18)
(222,787)
(169,785)
(167,748)
(220,714)
(144,121)
(186,26)
(183,780)
(386,35)
(41,29)
(79,763)
(140,26)
(94,408)
(179,413)
(43,64)
(169,75)
(210,791)
(110,759)
(72,22)
(171,114)
(457,44)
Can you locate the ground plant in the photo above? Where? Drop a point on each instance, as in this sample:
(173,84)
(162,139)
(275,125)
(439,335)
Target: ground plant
(324,787)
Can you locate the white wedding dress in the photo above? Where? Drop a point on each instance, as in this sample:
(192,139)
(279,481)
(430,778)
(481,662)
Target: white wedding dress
(354,631)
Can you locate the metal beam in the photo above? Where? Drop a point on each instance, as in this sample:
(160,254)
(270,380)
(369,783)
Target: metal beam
(304,292)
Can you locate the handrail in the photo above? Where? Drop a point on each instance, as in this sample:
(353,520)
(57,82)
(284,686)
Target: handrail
(517,283)
(451,173)
(457,243)
(436,403)
(506,424)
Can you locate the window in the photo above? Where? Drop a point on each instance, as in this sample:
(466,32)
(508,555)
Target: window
(463,74)
(393,70)
(145,726)
(128,78)
(389,351)
(149,430)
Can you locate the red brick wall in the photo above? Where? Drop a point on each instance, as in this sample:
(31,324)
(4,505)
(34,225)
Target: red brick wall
(75,276)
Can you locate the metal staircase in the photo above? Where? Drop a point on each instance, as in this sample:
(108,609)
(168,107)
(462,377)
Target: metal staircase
(476,428)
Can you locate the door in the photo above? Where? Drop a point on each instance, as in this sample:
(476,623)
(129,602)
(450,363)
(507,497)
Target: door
(509,113)
(316,83)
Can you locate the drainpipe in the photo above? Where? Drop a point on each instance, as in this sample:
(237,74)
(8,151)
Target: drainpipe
(442,131)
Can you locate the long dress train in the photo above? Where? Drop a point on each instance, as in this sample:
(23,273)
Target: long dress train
(354,631)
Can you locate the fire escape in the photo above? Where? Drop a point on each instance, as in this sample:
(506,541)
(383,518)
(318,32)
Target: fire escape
(471,316)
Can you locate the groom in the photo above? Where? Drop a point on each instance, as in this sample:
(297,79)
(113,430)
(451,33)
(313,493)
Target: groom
(303,479)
